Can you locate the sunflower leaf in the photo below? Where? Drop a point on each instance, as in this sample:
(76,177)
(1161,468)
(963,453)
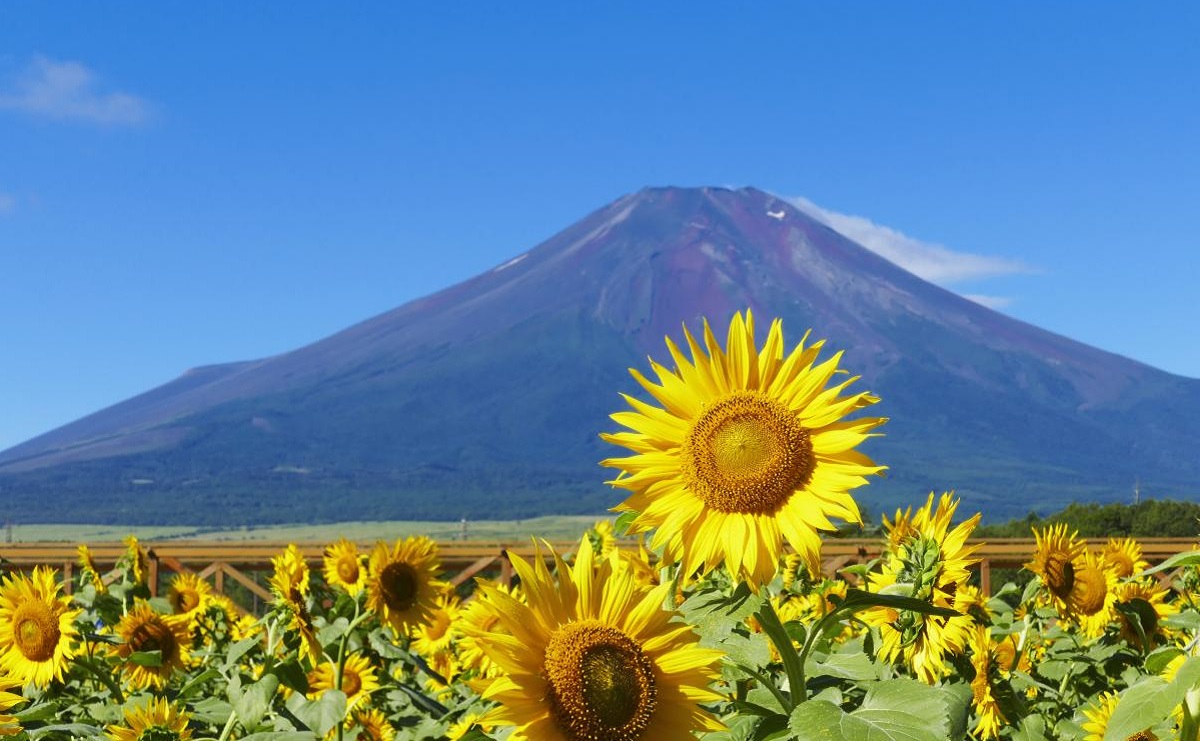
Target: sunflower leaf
(320,715)
(895,710)
(1187,558)
(857,600)
(1151,698)
(251,703)
(146,658)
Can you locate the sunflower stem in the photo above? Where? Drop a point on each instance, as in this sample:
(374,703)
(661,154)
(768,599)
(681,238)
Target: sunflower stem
(341,663)
(793,663)
(228,729)
(765,681)
(106,678)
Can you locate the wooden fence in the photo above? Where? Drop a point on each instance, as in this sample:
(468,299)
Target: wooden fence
(248,563)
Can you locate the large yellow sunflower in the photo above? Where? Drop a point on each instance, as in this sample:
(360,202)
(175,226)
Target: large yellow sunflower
(344,567)
(1093,596)
(594,656)
(987,708)
(1151,617)
(144,630)
(748,449)
(37,627)
(1054,559)
(1125,556)
(359,680)
(290,583)
(931,563)
(402,587)
(435,636)
(158,720)
(189,595)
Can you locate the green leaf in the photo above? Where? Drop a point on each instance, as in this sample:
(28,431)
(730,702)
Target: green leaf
(858,600)
(251,703)
(292,675)
(146,658)
(239,649)
(45,711)
(895,710)
(280,736)
(855,666)
(1187,558)
(1158,659)
(320,715)
(1147,701)
(958,702)
(195,682)
(73,730)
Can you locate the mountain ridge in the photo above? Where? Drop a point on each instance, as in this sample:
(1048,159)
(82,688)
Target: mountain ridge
(561,322)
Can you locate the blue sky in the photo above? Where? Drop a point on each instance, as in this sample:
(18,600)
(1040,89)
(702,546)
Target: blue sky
(184,184)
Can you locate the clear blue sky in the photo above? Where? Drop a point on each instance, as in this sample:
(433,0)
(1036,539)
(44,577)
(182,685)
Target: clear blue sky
(192,183)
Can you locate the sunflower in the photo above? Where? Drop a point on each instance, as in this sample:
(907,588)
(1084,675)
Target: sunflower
(189,595)
(1008,656)
(290,583)
(344,567)
(159,720)
(90,572)
(135,560)
(36,627)
(372,725)
(222,617)
(749,448)
(1150,615)
(435,636)
(975,603)
(1125,556)
(10,725)
(401,587)
(1054,559)
(477,618)
(1092,601)
(983,698)
(144,630)
(931,564)
(594,656)
(358,680)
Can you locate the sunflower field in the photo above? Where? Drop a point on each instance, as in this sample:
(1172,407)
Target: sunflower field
(701,610)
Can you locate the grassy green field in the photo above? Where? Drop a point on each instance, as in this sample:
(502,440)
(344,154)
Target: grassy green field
(550,528)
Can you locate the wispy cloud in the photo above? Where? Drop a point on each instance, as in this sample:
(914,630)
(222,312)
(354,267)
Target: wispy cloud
(933,262)
(69,90)
(8,204)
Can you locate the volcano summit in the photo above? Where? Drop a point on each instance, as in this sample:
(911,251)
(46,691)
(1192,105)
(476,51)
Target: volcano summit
(485,400)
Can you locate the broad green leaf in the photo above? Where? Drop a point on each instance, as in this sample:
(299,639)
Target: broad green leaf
(45,711)
(853,665)
(958,702)
(320,715)
(195,682)
(895,710)
(1143,704)
(623,522)
(239,649)
(1187,558)
(1158,659)
(72,730)
(280,736)
(251,702)
(292,675)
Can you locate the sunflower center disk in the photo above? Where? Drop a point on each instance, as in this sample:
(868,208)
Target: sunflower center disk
(351,683)
(188,601)
(398,583)
(747,453)
(153,637)
(1060,575)
(1090,591)
(347,570)
(601,683)
(36,633)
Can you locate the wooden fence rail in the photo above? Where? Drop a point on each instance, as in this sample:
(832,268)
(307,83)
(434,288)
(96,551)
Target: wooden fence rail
(248,563)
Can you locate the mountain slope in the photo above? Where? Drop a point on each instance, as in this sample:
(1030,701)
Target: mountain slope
(485,399)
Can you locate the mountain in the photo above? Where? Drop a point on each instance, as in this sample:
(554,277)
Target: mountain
(485,399)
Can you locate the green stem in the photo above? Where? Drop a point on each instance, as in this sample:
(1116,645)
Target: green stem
(765,681)
(792,664)
(228,729)
(341,663)
(107,679)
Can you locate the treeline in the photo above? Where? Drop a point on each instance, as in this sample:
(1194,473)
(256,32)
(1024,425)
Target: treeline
(1161,518)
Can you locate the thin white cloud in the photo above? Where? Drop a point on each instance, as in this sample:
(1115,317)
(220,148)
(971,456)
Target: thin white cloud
(69,90)
(933,262)
(8,204)
(992,302)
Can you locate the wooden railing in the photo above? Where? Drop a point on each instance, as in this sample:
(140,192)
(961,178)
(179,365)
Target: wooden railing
(248,563)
